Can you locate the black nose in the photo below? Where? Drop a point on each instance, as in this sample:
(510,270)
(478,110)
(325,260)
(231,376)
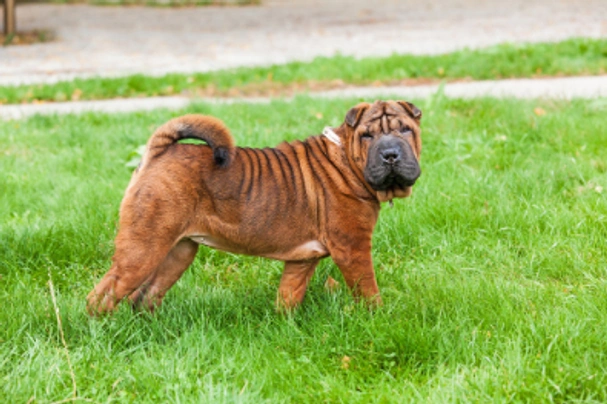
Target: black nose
(390,155)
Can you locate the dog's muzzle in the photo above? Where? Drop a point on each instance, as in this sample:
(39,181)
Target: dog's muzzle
(391,164)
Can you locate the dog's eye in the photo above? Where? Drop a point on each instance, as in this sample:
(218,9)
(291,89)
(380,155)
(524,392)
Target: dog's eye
(406,131)
(366,136)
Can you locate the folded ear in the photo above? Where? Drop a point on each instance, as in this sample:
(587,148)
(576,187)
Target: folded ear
(353,116)
(415,112)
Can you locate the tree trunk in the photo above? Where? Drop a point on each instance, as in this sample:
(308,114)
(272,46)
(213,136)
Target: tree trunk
(9,17)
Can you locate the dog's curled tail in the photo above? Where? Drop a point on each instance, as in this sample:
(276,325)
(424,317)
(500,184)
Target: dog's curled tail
(202,127)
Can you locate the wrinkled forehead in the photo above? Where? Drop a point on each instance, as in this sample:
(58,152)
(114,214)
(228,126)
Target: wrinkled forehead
(386,116)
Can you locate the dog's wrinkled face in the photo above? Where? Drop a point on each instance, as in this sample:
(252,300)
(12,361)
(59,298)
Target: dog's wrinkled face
(386,145)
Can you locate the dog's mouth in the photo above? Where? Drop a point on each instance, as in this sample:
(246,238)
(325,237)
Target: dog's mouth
(394,192)
(390,182)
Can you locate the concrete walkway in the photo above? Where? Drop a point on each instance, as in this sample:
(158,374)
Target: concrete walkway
(110,41)
(113,41)
(559,88)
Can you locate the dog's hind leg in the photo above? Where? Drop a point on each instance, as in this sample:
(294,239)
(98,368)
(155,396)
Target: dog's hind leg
(294,283)
(151,293)
(132,265)
(142,245)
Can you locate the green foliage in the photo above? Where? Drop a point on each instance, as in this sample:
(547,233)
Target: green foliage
(570,57)
(492,273)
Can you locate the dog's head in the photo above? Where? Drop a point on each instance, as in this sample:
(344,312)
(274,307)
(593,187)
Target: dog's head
(385,143)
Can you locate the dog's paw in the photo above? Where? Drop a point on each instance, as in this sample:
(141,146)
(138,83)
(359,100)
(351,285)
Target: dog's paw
(102,299)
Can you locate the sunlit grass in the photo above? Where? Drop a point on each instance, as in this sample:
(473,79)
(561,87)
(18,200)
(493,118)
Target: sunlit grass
(493,274)
(567,58)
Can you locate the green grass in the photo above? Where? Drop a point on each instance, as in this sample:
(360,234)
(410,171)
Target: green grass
(493,274)
(572,57)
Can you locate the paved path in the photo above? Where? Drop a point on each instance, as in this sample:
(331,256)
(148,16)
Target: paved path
(560,88)
(120,40)
(111,41)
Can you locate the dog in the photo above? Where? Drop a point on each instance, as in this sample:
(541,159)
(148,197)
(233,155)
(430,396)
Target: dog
(298,202)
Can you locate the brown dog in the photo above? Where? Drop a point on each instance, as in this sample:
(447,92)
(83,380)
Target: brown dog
(298,202)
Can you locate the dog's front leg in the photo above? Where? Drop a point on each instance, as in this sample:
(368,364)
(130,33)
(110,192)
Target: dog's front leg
(294,283)
(356,266)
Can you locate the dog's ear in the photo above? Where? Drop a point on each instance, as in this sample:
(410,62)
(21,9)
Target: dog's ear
(415,112)
(353,116)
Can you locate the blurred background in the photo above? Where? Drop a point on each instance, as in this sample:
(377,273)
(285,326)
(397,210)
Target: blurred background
(117,37)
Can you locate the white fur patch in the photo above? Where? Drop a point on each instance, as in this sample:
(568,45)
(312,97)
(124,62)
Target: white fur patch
(308,250)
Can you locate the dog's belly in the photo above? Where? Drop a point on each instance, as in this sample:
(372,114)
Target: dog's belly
(308,250)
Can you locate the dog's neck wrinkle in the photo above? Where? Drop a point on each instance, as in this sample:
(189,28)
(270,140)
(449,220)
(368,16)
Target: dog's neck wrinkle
(370,192)
(337,156)
(365,191)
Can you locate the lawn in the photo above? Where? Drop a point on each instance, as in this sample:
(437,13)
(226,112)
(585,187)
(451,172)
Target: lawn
(579,56)
(493,273)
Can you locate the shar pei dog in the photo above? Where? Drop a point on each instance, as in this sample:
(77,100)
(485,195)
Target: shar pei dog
(298,202)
